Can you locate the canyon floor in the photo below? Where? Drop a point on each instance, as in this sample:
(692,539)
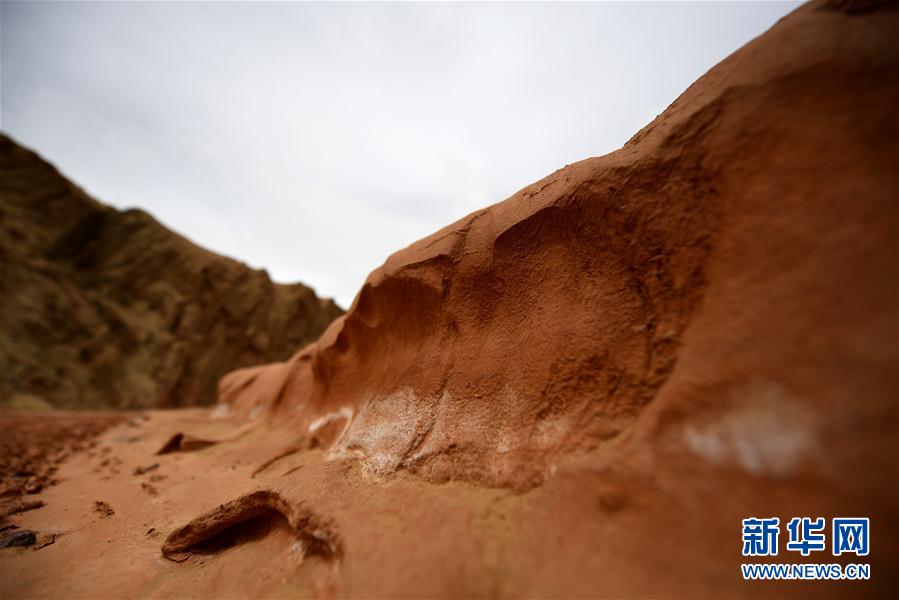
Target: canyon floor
(588,531)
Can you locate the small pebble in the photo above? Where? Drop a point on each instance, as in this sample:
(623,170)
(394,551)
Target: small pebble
(25,537)
(147,469)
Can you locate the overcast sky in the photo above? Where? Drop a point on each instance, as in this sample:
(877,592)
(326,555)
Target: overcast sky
(315,139)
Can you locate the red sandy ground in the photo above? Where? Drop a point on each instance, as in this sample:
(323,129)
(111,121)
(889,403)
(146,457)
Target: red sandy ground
(584,533)
(33,444)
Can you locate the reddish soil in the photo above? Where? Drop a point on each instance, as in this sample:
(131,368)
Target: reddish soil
(33,445)
(578,392)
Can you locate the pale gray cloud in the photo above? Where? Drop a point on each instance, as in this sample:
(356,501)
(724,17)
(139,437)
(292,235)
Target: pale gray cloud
(315,139)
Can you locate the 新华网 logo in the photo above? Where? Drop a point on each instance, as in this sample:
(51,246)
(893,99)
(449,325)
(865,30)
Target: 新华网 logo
(807,536)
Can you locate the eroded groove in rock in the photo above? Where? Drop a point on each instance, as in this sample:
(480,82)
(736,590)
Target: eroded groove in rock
(315,536)
(275,458)
(184,443)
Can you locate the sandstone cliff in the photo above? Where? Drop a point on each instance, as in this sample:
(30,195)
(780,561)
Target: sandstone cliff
(737,255)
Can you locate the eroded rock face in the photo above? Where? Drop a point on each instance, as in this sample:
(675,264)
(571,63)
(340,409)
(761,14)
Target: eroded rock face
(745,240)
(102,308)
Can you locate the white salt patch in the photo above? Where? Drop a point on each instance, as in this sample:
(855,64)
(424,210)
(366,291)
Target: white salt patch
(344,413)
(385,430)
(220,411)
(764,434)
(298,551)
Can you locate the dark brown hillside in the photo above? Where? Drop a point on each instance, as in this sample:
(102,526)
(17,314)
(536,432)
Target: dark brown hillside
(100,307)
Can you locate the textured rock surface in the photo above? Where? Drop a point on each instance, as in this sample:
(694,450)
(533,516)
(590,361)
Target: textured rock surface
(102,308)
(733,263)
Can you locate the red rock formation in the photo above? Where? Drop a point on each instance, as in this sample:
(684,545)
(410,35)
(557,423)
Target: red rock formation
(726,279)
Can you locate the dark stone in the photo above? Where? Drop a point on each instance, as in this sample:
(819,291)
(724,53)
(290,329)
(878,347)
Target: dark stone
(25,537)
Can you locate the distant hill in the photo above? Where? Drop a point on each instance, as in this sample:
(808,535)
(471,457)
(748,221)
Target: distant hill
(104,308)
